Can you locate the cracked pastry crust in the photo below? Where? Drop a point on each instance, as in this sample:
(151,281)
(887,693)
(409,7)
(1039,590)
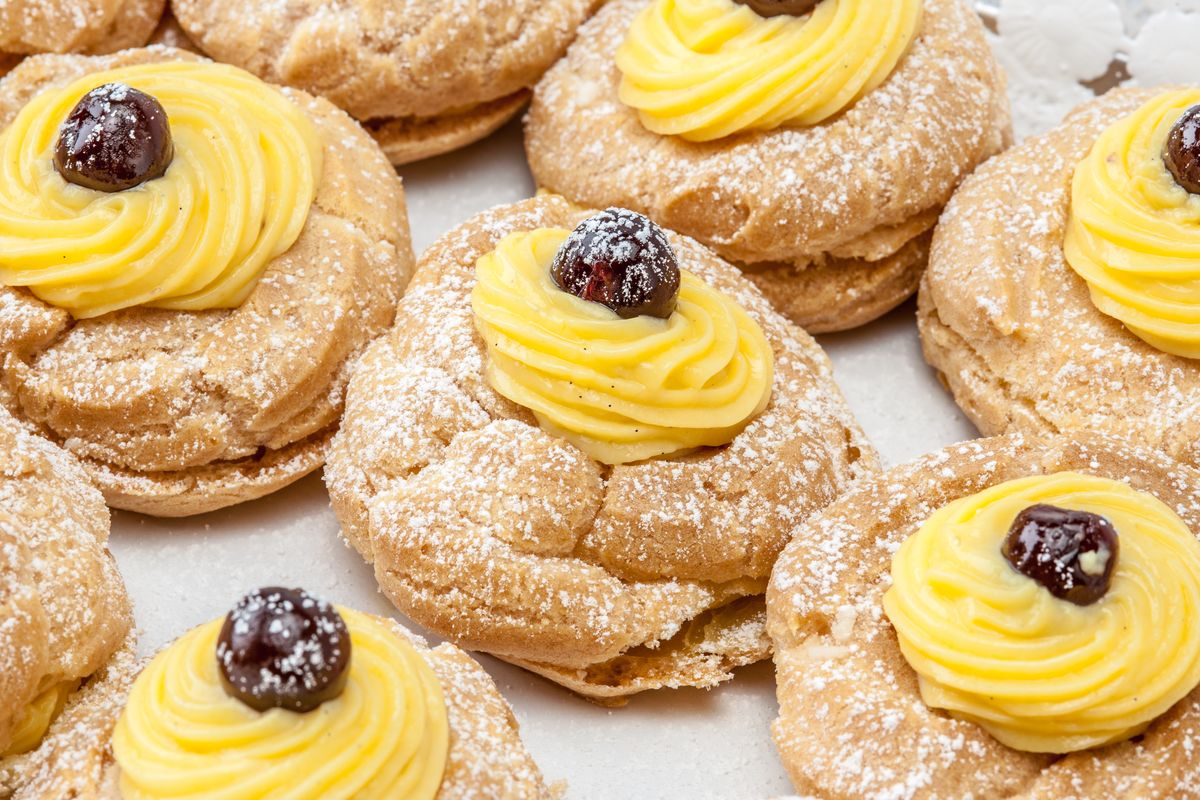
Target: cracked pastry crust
(427,76)
(1012,329)
(832,221)
(486,757)
(608,580)
(76,26)
(851,721)
(169,34)
(63,607)
(177,412)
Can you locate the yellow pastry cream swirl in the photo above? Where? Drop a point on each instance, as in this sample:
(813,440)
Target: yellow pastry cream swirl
(706,69)
(1134,234)
(237,194)
(621,390)
(386,736)
(33,721)
(1039,673)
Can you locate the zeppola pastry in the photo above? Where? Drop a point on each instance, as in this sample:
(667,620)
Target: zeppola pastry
(812,143)
(425,77)
(582,447)
(287,696)
(76,26)
(1012,617)
(63,608)
(190,259)
(1064,286)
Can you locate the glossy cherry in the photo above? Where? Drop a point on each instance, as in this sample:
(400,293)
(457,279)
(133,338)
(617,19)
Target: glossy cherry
(777,8)
(114,139)
(283,648)
(1071,553)
(1181,153)
(622,260)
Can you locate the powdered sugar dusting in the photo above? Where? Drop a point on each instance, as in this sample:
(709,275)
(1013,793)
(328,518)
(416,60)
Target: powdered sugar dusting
(1013,328)
(283,648)
(161,394)
(852,723)
(621,259)
(788,195)
(486,759)
(399,59)
(63,608)
(61,26)
(486,528)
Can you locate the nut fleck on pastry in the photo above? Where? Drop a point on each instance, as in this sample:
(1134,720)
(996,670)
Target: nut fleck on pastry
(114,139)
(622,260)
(283,648)
(1181,152)
(1071,553)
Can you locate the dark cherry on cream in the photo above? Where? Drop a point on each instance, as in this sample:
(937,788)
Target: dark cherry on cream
(1181,152)
(1071,553)
(114,139)
(283,648)
(622,260)
(777,8)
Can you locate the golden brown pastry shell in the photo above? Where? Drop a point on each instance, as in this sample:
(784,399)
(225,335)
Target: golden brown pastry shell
(180,412)
(831,219)
(63,607)
(1011,328)
(486,759)
(76,26)
(408,139)
(429,76)
(852,725)
(609,580)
